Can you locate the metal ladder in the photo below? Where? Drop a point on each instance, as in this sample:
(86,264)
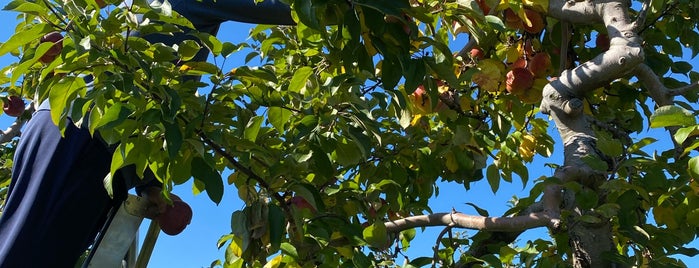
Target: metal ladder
(117,242)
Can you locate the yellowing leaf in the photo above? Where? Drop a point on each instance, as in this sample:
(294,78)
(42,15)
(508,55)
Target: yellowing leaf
(235,246)
(527,147)
(451,163)
(490,75)
(274,262)
(537,5)
(664,215)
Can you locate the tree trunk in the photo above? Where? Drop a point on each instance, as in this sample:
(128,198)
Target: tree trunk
(563,101)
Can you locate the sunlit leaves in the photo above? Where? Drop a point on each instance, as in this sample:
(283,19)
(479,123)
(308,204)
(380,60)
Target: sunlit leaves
(672,116)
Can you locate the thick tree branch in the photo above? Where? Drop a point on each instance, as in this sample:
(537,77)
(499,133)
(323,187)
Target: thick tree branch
(657,91)
(563,101)
(503,224)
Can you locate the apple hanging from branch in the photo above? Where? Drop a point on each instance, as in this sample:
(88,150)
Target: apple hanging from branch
(57,39)
(13,106)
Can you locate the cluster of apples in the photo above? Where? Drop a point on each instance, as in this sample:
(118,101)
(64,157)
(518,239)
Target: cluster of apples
(14,105)
(525,70)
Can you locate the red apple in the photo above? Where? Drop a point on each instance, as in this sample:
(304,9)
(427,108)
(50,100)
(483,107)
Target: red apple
(57,39)
(176,217)
(477,54)
(540,64)
(519,63)
(518,81)
(537,22)
(484,7)
(301,203)
(14,106)
(512,20)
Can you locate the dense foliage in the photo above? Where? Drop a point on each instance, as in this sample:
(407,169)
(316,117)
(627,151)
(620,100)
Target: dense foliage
(328,138)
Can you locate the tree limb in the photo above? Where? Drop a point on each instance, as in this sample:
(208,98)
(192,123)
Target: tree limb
(503,224)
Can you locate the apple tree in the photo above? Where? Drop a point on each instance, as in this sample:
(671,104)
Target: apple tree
(337,131)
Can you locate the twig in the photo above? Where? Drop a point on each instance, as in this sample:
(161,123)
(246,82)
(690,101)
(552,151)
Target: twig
(641,19)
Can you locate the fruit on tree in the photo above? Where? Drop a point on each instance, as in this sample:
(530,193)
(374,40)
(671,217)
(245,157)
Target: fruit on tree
(483,6)
(540,64)
(602,41)
(421,100)
(176,217)
(13,106)
(518,80)
(512,20)
(57,39)
(537,22)
(519,63)
(404,23)
(477,53)
(301,203)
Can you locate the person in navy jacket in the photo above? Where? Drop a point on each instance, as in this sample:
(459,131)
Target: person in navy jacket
(56,201)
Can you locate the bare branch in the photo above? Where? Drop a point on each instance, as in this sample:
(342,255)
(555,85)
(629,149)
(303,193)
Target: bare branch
(657,91)
(641,19)
(503,224)
(683,90)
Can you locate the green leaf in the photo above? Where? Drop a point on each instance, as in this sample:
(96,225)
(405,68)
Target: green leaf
(277,223)
(310,193)
(30,8)
(507,254)
(188,49)
(60,96)
(252,129)
(421,262)
(290,250)
(493,175)
(670,115)
(212,180)
(23,37)
(480,211)
(278,117)
(693,167)
(173,136)
(683,133)
(589,219)
(376,235)
(306,14)
(301,75)
(586,198)
(595,162)
(636,147)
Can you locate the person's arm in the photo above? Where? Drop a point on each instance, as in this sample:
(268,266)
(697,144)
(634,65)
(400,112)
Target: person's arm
(208,13)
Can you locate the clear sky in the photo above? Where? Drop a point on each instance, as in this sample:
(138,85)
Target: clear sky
(196,246)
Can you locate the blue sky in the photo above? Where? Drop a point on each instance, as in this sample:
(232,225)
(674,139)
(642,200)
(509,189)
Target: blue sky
(196,246)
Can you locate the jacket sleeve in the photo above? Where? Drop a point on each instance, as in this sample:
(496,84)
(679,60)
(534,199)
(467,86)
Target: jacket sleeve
(205,13)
